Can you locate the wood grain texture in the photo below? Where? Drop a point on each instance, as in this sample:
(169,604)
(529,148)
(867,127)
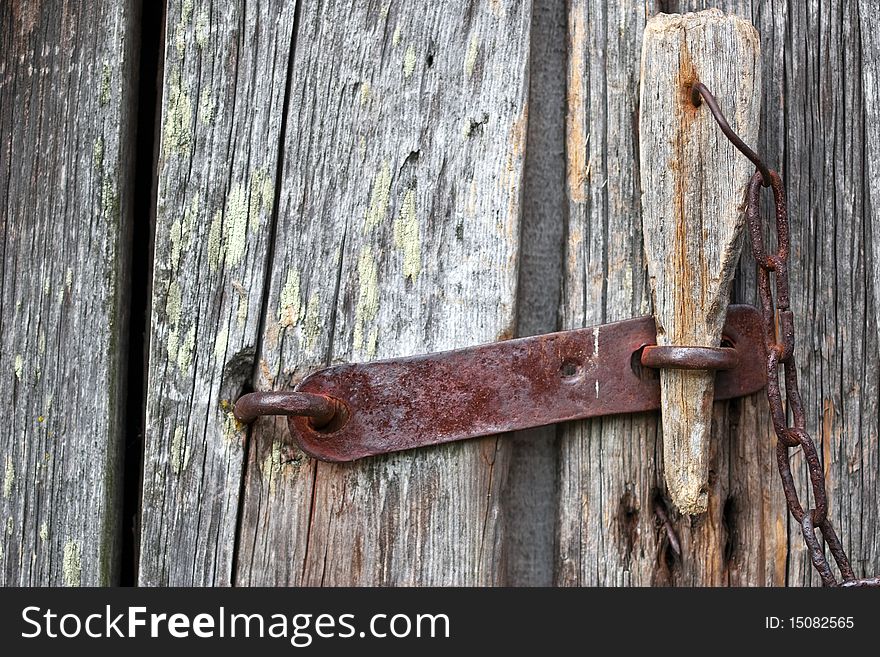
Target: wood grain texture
(813,130)
(611,485)
(67,93)
(530,496)
(870,66)
(398,233)
(870,34)
(692,182)
(225,74)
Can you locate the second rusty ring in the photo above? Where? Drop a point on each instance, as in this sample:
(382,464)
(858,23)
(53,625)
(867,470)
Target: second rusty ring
(689,358)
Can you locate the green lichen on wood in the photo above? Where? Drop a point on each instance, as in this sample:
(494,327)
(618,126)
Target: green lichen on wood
(409,61)
(289,306)
(98,154)
(262,196)
(235,220)
(395,38)
(272,465)
(312,324)
(203,29)
(221,343)
(185,352)
(177,127)
(104,92)
(407,238)
(8,476)
(44,531)
(109,201)
(186,10)
(470,59)
(180,451)
(207,106)
(227,235)
(71,564)
(365,93)
(365,332)
(215,240)
(18,366)
(379,196)
(172,303)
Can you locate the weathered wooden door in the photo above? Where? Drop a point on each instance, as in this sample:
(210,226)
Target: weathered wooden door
(349,181)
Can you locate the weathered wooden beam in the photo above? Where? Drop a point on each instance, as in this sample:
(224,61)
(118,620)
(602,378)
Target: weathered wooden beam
(692,183)
(610,469)
(398,233)
(67,93)
(225,69)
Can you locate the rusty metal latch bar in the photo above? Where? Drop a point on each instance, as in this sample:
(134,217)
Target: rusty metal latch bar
(352,411)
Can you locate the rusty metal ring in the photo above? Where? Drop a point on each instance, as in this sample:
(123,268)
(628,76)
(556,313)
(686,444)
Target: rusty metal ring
(690,358)
(322,409)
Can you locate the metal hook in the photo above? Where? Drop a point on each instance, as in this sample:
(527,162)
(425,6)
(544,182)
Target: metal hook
(698,89)
(320,408)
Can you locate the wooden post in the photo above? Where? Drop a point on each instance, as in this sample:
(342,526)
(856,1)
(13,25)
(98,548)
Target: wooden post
(693,181)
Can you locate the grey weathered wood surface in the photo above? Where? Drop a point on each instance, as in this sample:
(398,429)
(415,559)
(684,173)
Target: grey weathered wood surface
(870,34)
(530,496)
(398,233)
(398,207)
(225,74)
(222,290)
(67,93)
(813,130)
(692,182)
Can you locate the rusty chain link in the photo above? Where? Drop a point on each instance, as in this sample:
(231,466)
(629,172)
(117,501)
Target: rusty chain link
(778,324)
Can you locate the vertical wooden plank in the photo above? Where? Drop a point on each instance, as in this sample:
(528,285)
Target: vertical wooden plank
(611,485)
(607,469)
(869,22)
(825,168)
(813,129)
(530,496)
(67,93)
(225,74)
(398,233)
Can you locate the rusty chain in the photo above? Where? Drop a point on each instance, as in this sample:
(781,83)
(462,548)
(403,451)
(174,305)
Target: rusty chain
(778,325)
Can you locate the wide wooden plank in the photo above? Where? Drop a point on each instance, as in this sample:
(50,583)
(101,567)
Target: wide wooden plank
(398,233)
(225,74)
(67,93)
(613,500)
(826,155)
(813,130)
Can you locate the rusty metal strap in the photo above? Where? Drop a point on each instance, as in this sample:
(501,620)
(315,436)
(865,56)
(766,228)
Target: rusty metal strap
(351,411)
